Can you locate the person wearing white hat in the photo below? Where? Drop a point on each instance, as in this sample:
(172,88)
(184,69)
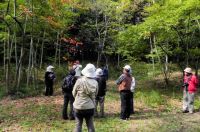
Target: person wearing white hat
(190,88)
(124,83)
(49,80)
(77,67)
(101,92)
(84,92)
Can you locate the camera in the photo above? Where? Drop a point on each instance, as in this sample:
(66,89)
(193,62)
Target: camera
(185,85)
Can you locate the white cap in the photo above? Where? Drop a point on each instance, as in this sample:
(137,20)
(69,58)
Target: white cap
(188,70)
(89,71)
(49,68)
(99,72)
(127,67)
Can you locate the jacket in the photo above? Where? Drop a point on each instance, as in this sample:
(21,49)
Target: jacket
(102,86)
(192,83)
(84,92)
(124,82)
(49,78)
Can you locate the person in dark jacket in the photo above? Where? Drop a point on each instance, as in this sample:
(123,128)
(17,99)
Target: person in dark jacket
(124,87)
(101,92)
(105,71)
(67,88)
(49,80)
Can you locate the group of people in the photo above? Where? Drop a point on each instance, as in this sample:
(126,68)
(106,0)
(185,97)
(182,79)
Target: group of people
(85,89)
(84,93)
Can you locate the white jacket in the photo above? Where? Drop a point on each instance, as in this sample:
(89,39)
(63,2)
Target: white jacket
(133,85)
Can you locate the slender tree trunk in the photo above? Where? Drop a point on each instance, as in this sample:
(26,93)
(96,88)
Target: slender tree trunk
(19,67)
(118,60)
(166,73)
(99,36)
(153,62)
(154,42)
(16,58)
(59,55)
(4,57)
(8,63)
(56,53)
(42,50)
(30,62)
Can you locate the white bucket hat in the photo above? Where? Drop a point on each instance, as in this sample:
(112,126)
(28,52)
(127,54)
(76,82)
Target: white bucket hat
(188,70)
(49,68)
(99,72)
(89,71)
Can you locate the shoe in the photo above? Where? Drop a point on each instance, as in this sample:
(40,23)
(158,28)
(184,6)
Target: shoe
(185,111)
(191,112)
(133,112)
(65,118)
(123,119)
(71,118)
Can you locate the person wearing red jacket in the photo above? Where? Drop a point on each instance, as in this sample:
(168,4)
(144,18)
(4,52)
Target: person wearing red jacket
(190,87)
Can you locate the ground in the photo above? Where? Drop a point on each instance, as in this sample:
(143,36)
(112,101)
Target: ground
(155,111)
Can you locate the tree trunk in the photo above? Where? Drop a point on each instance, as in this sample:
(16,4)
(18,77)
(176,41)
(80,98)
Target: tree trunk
(153,63)
(8,63)
(19,67)
(29,63)
(154,42)
(56,53)
(59,55)
(42,49)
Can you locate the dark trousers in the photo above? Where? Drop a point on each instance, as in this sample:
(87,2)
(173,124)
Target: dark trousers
(88,116)
(132,102)
(49,89)
(125,104)
(68,98)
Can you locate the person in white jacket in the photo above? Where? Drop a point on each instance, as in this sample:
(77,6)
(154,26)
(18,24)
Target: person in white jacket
(132,95)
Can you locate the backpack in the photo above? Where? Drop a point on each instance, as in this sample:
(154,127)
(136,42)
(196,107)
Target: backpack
(68,83)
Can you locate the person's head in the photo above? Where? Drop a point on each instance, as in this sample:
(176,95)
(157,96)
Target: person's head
(89,71)
(188,71)
(127,69)
(49,68)
(72,72)
(99,72)
(77,62)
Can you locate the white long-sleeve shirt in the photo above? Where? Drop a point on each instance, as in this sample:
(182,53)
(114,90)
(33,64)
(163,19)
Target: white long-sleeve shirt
(133,85)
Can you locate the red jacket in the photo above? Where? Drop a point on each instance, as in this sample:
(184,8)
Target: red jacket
(193,83)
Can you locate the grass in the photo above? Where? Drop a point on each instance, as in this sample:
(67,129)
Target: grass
(157,109)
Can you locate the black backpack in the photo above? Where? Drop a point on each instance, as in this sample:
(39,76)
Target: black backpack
(68,83)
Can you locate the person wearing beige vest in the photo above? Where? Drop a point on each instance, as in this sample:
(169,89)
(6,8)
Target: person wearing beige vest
(124,85)
(84,92)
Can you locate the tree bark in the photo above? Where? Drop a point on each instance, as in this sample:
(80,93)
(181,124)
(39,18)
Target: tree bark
(42,49)
(153,62)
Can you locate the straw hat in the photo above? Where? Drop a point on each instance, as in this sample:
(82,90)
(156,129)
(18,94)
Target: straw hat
(89,71)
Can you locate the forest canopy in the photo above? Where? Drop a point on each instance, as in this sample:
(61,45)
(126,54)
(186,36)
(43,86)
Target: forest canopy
(40,32)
